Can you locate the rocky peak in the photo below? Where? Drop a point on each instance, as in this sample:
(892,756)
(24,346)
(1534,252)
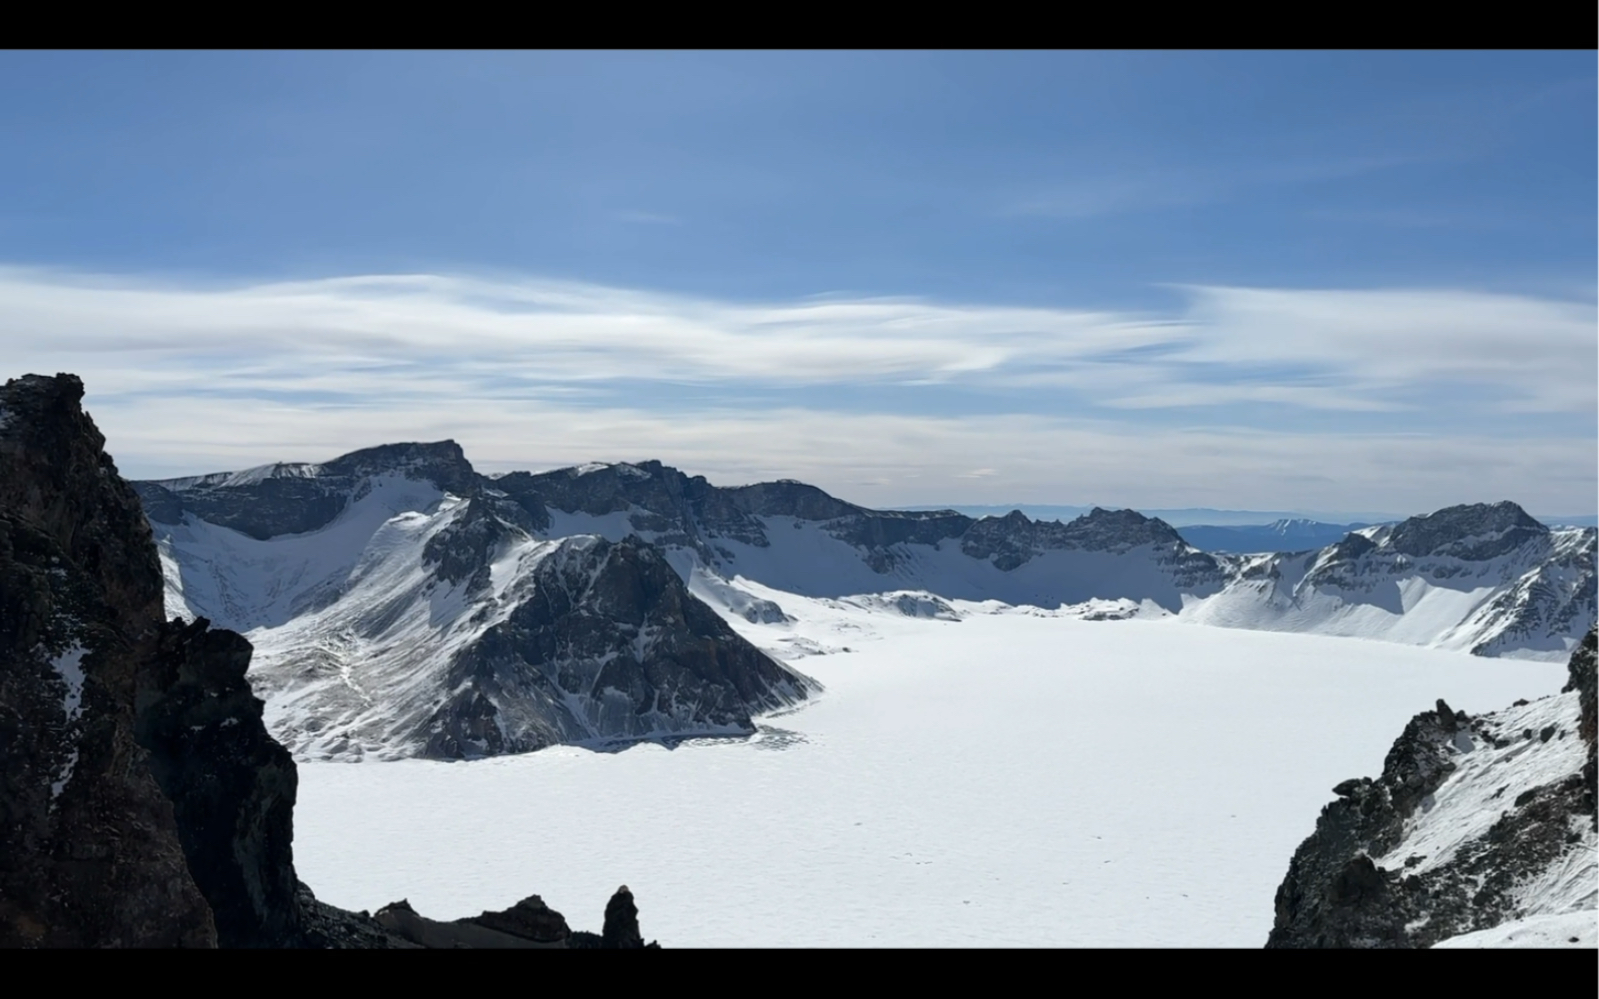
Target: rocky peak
(790,498)
(442,463)
(1475,532)
(90,854)
(1101,529)
(273,500)
(613,647)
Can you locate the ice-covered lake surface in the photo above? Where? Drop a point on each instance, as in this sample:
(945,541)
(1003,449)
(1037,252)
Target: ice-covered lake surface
(1009,779)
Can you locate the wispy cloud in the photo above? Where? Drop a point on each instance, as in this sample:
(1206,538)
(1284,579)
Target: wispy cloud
(525,372)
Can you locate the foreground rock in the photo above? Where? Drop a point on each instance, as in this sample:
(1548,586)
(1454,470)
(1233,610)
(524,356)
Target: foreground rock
(90,851)
(527,925)
(1474,824)
(144,803)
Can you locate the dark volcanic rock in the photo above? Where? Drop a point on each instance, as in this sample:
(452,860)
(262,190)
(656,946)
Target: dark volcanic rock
(295,498)
(463,550)
(530,919)
(621,922)
(615,623)
(1476,532)
(142,802)
(89,848)
(1581,671)
(1335,895)
(528,925)
(231,784)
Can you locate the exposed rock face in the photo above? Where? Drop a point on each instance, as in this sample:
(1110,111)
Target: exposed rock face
(1474,533)
(1581,682)
(142,802)
(294,498)
(1473,823)
(689,511)
(621,922)
(232,786)
(608,644)
(528,925)
(90,854)
(429,619)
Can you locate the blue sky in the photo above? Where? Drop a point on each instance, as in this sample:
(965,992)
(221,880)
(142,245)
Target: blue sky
(1301,280)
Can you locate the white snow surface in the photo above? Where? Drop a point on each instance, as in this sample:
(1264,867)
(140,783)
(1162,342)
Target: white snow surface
(1013,777)
(1576,930)
(1439,601)
(69,666)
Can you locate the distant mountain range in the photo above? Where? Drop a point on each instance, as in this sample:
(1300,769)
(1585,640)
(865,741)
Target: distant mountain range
(1186,517)
(402,604)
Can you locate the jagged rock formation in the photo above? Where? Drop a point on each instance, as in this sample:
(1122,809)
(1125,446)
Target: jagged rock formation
(232,787)
(1474,823)
(142,802)
(90,854)
(295,498)
(621,922)
(614,625)
(677,510)
(528,925)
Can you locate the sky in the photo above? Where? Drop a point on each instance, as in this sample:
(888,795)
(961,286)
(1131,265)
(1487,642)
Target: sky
(1272,281)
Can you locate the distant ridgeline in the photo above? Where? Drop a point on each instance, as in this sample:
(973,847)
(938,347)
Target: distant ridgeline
(403,604)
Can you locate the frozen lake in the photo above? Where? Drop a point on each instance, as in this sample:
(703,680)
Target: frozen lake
(1007,779)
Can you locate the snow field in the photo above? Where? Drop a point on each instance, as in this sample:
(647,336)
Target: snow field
(1011,779)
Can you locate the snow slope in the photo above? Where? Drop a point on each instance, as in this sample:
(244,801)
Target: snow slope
(1570,929)
(364,646)
(365,619)
(1008,778)
(1474,798)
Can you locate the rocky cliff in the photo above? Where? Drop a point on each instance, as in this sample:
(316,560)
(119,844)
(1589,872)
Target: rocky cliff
(142,801)
(1474,823)
(90,852)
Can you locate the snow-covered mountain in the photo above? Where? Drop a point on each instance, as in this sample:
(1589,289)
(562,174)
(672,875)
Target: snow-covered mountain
(403,604)
(405,619)
(1485,579)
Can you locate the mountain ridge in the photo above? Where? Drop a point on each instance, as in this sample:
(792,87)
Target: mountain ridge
(417,559)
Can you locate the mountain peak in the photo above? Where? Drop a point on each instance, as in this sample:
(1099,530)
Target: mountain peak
(1474,531)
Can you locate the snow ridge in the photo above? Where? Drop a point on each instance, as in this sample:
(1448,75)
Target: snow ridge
(366,582)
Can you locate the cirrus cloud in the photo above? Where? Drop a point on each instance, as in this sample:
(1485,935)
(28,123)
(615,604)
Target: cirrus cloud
(1077,404)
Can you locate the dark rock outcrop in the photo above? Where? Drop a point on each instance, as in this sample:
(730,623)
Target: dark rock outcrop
(613,624)
(231,785)
(1581,679)
(295,498)
(1336,895)
(1474,532)
(142,802)
(621,922)
(528,925)
(90,852)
